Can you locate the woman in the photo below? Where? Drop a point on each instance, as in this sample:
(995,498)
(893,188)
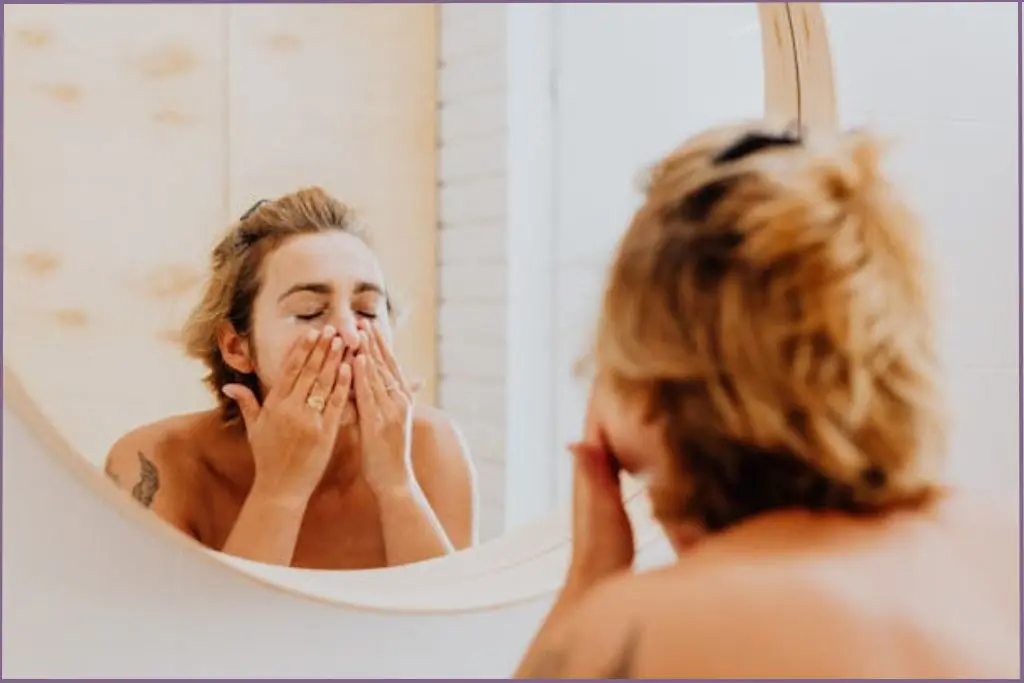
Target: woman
(315,456)
(764,355)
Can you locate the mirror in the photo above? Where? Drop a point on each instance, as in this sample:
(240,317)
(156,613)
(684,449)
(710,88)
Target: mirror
(492,189)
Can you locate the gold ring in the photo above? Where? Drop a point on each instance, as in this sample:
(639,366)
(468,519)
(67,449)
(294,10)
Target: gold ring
(317,403)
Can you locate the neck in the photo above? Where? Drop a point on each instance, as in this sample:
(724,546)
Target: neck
(683,535)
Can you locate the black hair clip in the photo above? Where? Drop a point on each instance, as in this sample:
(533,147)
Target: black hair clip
(752,143)
(252,209)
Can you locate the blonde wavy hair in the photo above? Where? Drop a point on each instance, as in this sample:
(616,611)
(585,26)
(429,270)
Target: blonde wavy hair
(235,277)
(769,304)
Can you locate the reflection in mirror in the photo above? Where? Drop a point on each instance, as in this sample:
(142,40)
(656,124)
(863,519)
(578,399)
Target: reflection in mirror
(314,299)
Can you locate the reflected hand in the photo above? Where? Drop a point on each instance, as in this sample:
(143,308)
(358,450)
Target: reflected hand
(384,403)
(292,434)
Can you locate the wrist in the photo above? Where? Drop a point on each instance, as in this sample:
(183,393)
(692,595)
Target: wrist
(274,495)
(396,491)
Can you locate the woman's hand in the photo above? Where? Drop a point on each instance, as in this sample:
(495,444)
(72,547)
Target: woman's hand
(602,535)
(292,434)
(602,546)
(384,403)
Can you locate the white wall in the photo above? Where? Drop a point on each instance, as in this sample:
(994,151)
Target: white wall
(942,80)
(956,155)
(676,69)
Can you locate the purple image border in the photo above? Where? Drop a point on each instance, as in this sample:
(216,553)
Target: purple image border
(1020,219)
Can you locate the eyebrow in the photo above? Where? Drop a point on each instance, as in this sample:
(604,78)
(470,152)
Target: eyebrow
(361,287)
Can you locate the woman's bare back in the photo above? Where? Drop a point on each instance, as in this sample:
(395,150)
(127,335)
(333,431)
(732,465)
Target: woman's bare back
(923,595)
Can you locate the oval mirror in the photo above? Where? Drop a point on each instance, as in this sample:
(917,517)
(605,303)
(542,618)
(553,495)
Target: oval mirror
(491,153)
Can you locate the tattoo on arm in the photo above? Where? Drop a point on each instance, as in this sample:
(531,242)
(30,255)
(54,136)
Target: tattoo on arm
(149,482)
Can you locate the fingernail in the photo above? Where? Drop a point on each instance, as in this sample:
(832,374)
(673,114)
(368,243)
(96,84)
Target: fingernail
(328,331)
(312,335)
(335,344)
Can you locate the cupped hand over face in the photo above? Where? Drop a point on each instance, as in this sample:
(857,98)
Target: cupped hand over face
(384,403)
(602,535)
(292,434)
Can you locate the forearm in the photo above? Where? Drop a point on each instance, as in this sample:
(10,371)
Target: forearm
(412,532)
(535,663)
(267,528)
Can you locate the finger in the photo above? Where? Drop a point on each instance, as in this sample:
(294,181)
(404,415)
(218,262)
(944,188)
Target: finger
(598,465)
(248,406)
(365,400)
(328,377)
(339,395)
(315,362)
(374,348)
(377,382)
(296,359)
(388,358)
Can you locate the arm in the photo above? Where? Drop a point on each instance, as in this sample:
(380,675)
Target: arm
(585,637)
(157,473)
(139,466)
(445,472)
(435,514)
(412,532)
(267,528)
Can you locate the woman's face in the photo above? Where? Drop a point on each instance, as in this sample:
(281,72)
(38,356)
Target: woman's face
(310,281)
(620,424)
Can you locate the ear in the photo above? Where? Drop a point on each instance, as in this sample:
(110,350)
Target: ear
(234,349)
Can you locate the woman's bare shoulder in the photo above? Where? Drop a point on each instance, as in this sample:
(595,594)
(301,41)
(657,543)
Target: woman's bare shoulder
(169,442)
(436,438)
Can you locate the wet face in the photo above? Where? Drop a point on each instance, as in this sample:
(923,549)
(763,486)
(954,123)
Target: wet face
(311,282)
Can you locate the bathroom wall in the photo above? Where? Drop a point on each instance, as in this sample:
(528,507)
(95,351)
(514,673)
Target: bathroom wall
(955,153)
(472,262)
(138,133)
(942,81)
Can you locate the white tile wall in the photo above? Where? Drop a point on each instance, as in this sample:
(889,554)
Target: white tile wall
(473,200)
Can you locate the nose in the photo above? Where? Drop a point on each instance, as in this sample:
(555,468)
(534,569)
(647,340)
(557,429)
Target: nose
(346,326)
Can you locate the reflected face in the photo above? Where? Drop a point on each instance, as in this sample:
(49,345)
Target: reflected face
(312,281)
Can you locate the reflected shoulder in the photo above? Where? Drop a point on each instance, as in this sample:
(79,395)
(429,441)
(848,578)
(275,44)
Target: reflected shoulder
(436,436)
(445,472)
(155,454)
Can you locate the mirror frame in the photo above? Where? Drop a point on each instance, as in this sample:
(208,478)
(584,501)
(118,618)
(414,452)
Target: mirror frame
(527,563)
